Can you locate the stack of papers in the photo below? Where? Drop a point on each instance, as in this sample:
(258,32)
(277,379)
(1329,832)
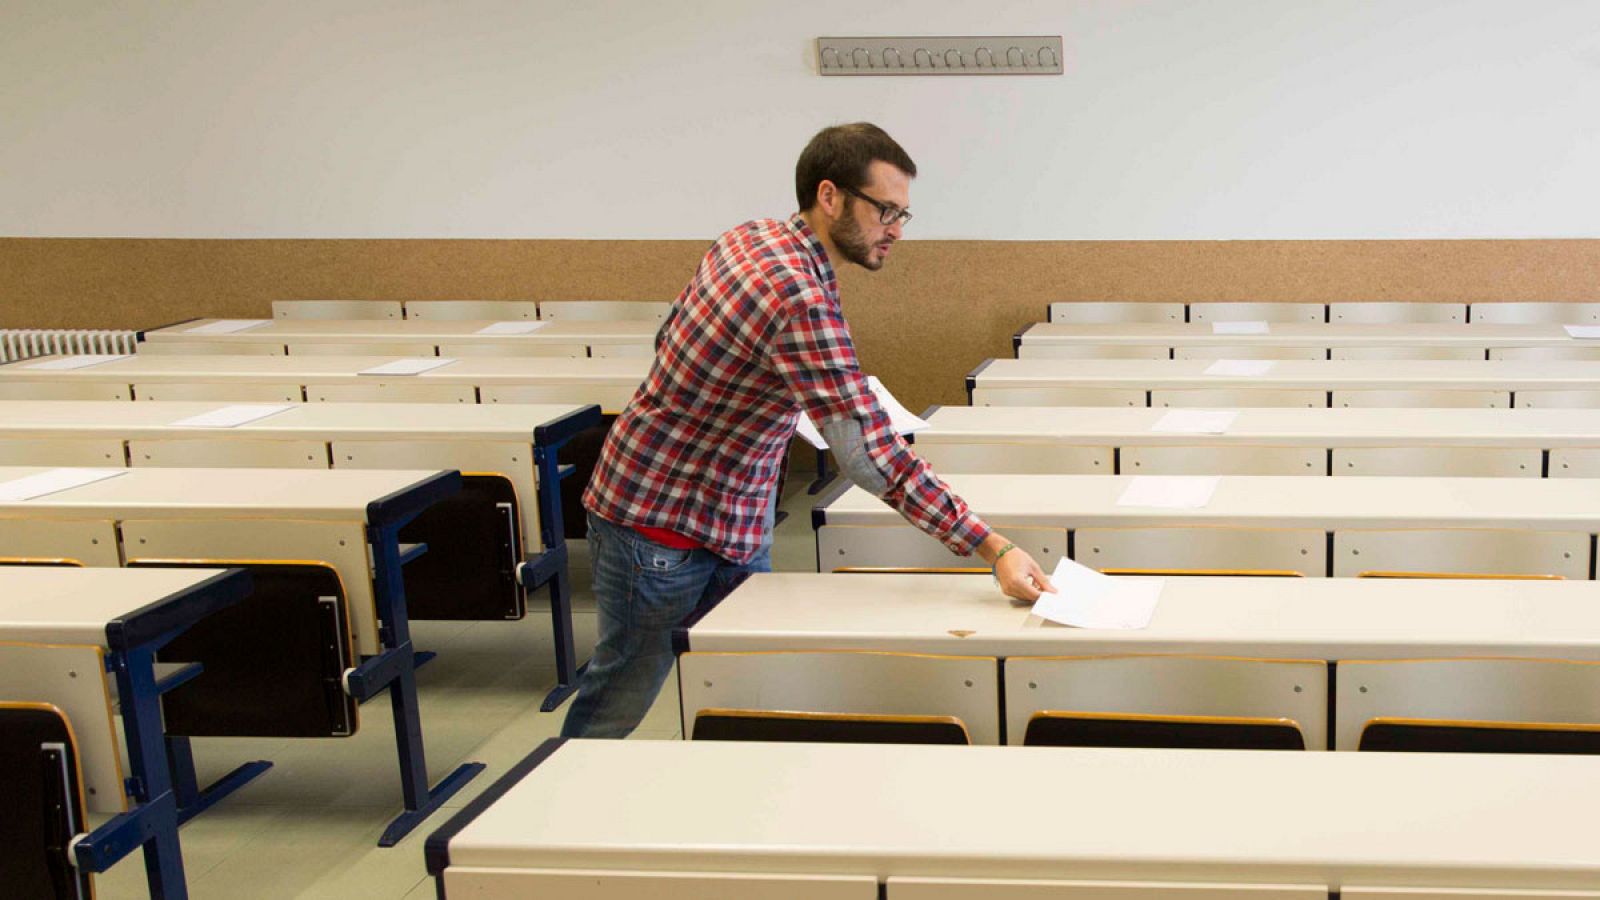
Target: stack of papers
(902,419)
(1170,491)
(1589,332)
(80,361)
(1243,367)
(1247,327)
(233,416)
(54,481)
(413,366)
(1087,599)
(515,327)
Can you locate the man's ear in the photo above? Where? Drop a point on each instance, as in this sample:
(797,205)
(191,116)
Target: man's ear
(829,198)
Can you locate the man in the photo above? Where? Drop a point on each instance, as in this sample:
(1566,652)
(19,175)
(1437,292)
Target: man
(681,502)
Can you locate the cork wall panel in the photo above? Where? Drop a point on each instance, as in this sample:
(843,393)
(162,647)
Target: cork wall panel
(935,311)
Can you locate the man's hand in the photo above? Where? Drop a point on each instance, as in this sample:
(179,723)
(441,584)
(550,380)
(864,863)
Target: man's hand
(1019,576)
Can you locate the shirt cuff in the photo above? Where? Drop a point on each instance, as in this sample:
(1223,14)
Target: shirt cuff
(963,540)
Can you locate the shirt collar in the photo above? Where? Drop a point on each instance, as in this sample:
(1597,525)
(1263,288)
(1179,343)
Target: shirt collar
(819,253)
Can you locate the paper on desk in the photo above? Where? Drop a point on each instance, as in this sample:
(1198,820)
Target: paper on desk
(1087,599)
(1170,491)
(903,420)
(415,365)
(80,361)
(1196,421)
(1583,331)
(226,326)
(52,481)
(514,327)
(233,416)
(1253,326)
(1247,367)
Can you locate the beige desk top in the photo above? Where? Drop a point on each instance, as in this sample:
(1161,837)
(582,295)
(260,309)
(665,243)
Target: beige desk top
(50,605)
(1265,501)
(1288,618)
(1321,375)
(341,369)
(1289,334)
(155,493)
(323,421)
(1335,819)
(279,331)
(1320,427)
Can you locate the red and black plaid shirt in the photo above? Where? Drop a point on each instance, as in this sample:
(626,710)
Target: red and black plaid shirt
(756,335)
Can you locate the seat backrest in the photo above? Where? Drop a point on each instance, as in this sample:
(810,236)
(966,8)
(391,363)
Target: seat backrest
(1457,462)
(1422,399)
(1535,313)
(41,791)
(1461,551)
(966,688)
(1490,692)
(826,728)
(1203,548)
(1223,398)
(1114,312)
(472,310)
(1448,736)
(337,309)
(1050,728)
(604,310)
(1263,691)
(73,679)
(1379,313)
(1257,312)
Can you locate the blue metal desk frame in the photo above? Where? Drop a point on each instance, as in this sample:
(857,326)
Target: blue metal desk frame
(153,814)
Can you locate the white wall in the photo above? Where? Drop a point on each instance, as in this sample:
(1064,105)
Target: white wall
(639,119)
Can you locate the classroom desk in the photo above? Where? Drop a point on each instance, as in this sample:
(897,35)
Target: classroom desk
(519,443)
(1115,382)
(838,821)
(1044,340)
(742,643)
(126,615)
(1354,440)
(575,338)
(348,520)
(608,382)
(1312,526)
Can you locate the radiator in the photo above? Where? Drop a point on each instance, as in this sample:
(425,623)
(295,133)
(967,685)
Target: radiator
(26,343)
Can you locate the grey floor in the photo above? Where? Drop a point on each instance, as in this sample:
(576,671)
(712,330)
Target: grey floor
(309,827)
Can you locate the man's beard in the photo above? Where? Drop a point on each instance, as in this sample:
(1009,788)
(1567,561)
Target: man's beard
(846,235)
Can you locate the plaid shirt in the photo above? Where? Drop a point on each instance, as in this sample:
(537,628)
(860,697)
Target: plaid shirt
(756,335)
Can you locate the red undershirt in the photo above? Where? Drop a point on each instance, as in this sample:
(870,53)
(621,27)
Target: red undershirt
(668,538)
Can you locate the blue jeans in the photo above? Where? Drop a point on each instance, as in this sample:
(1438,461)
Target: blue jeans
(642,590)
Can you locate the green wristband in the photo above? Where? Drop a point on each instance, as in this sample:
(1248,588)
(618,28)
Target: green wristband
(993,570)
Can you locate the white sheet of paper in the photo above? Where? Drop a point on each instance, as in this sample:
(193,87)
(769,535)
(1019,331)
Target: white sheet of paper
(1252,326)
(1087,599)
(903,420)
(233,416)
(1195,421)
(1170,491)
(513,327)
(227,326)
(80,361)
(1244,367)
(53,481)
(411,366)
(1587,332)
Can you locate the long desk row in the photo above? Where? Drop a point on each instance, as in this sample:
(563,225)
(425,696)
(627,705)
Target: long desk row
(1306,526)
(292,379)
(1392,383)
(1339,312)
(948,645)
(403,337)
(1045,440)
(586,820)
(75,644)
(500,537)
(327,626)
(1301,341)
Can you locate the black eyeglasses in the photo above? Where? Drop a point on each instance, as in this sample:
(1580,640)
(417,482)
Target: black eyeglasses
(888,213)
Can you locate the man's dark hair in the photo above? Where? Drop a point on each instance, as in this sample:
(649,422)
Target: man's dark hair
(841,154)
